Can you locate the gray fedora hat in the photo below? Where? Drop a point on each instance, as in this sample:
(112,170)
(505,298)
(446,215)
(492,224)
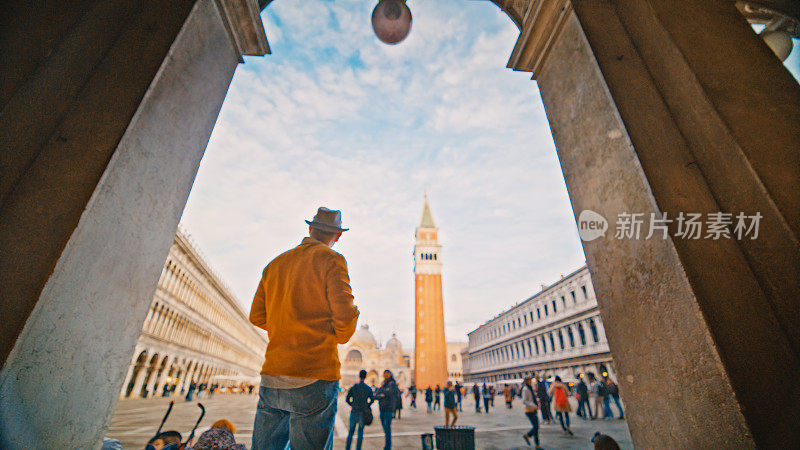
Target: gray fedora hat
(329,220)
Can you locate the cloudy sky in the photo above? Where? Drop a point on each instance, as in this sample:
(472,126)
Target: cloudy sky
(333,117)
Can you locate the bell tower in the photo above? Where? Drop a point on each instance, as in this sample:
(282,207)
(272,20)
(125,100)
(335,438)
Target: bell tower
(430,352)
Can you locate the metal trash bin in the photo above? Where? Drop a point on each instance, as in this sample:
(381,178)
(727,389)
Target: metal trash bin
(427,441)
(455,438)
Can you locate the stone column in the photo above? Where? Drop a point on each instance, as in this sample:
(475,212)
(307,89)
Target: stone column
(601,331)
(137,384)
(105,119)
(127,378)
(661,106)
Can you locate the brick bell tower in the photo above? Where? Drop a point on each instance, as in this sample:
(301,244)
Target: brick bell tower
(430,352)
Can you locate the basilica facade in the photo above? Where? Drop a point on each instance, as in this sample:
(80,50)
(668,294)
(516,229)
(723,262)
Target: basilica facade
(363,352)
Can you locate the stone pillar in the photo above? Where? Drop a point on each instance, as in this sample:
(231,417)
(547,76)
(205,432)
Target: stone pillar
(127,379)
(151,383)
(159,384)
(661,106)
(139,381)
(106,117)
(601,331)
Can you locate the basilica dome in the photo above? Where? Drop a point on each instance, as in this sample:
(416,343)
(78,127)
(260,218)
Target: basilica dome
(364,338)
(393,344)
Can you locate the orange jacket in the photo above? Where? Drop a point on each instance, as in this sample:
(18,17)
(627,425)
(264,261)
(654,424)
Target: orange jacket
(304,303)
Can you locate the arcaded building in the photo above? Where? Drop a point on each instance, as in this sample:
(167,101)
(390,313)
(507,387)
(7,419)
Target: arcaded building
(557,331)
(455,370)
(363,352)
(194,330)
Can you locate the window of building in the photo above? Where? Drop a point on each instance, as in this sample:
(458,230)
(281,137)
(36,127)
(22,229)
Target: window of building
(526,320)
(561,339)
(571,337)
(552,343)
(585,296)
(519,321)
(581,334)
(538,313)
(594,330)
(536,345)
(554,307)
(573,296)
(544,346)
(545,310)
(530,353)
(531,316)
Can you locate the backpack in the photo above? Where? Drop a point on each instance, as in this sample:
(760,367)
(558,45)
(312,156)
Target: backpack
(602,391)
(368,416)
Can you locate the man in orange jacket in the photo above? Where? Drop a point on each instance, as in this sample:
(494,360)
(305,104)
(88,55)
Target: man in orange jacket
(305,304)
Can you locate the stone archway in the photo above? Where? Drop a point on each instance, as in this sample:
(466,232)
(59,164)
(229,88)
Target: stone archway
(644,119)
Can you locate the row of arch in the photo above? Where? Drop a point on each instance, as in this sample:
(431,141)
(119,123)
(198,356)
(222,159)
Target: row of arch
(155,373)
(166,323)
(177,282)
(567,373)
(429,256)
(542,311)
(558,340)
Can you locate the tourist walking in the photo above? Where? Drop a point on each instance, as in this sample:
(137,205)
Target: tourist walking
(437,398)
(360,399)
(584,408)
(492,393)
(476,393)
(544,400)
(613,391)
(450,404)
(486,397)
(305,303)
(388,395)
(412,392)
(429,398)
(398,407)
(507,395)
(190,393)
(530,403)
(607,414)
(560,394)
(595,394)
(459,393)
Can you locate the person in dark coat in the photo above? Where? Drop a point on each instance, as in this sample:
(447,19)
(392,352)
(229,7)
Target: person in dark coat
(458,388)
(487,397)
(437,399)
(476,392)
(584,407)
(190,394)
(412,392)
(429,398)
(387,395)
(544,400)
(360,399)
(450,405)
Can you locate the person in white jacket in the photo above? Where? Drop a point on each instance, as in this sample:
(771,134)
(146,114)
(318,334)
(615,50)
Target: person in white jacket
(531,405)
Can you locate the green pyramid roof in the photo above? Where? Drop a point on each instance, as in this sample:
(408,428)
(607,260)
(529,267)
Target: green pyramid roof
(427,217)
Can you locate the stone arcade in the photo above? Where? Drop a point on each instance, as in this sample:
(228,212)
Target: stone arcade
(195,330)
(654,105)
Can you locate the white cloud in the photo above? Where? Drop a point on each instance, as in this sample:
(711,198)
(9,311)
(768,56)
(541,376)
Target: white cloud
(308,126)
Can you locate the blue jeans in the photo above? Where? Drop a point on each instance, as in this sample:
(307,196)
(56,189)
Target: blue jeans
(356,420)
(386,423)
(303,417)
(607,408)
(584,408)
(619,407)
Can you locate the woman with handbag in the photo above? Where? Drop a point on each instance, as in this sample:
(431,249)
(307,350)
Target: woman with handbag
(560,394)
(531,404)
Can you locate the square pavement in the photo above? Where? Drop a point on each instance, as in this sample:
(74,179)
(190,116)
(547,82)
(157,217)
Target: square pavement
(136,420)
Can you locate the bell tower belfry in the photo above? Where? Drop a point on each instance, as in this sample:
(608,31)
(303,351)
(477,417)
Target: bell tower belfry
(430,352)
